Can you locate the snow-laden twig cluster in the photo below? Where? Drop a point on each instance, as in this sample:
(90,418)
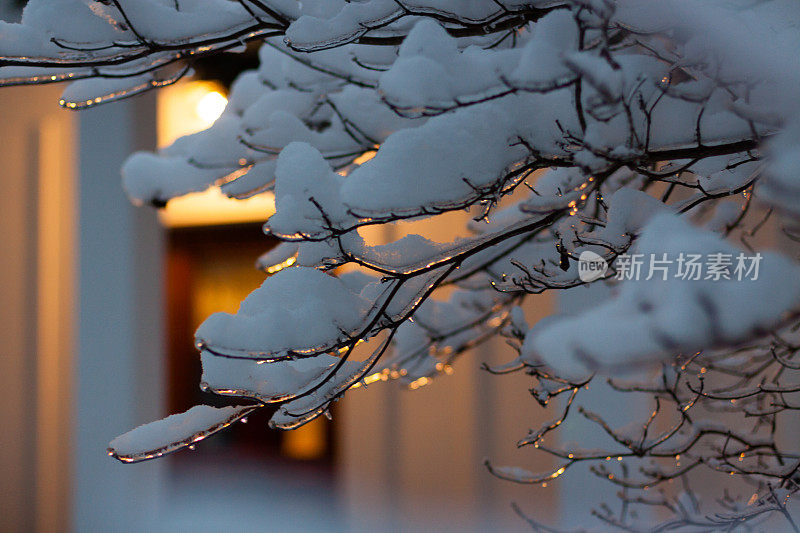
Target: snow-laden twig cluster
(563,127)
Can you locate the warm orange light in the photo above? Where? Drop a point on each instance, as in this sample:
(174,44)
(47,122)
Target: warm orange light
(363,158)
(210,106)
(307,442)
(188,107)
(212,207)
(185,108)
(417,383)
(372,378)
(280,266)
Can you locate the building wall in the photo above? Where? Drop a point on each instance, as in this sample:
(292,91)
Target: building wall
(36,274)
(119,366)
(80,315)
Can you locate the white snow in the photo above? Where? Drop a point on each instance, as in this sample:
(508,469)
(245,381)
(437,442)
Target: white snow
(174,432)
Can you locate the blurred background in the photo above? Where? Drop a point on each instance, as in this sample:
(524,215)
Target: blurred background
(99,301)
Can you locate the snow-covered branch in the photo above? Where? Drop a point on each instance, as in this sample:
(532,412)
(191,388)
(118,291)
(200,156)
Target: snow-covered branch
(571,131)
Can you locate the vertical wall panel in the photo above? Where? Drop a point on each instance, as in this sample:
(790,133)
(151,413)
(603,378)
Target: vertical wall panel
(119,367)
(57,206)
(24,306)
